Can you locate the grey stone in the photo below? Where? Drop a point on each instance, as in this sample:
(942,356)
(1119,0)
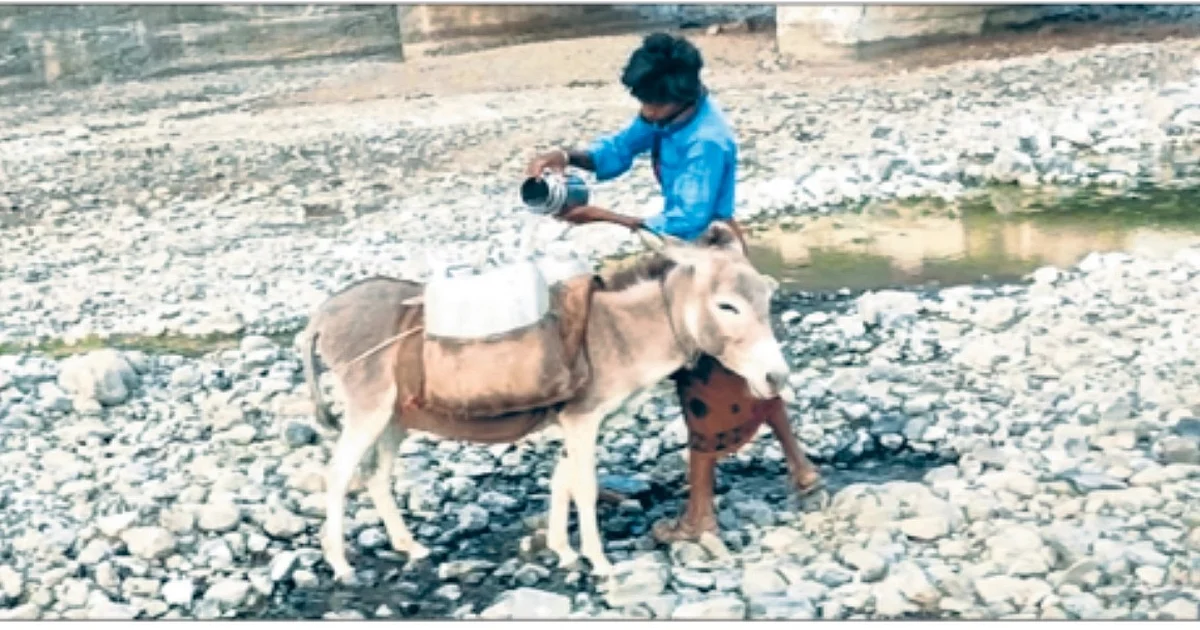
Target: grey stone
(465,570)
(372,538)
(103,376)
(472,518)
(298,434)
(229,593)
(714,608)
(782,608)
(758,581)
(531,574)
(528,603)
(634,582)
(1084,606)
(1179,450)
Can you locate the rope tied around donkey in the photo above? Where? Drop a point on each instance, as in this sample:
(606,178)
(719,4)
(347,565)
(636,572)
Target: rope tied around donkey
(379,346)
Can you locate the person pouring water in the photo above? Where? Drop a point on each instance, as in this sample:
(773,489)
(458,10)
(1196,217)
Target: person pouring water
(693,152)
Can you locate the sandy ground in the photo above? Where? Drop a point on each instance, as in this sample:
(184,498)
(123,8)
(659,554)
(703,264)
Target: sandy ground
(733,58)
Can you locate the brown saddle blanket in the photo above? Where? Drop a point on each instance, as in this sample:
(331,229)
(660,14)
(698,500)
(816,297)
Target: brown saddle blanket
(529,369)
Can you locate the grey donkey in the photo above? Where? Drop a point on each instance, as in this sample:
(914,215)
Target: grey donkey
(645,323)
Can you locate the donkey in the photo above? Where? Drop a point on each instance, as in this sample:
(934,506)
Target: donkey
(646,322)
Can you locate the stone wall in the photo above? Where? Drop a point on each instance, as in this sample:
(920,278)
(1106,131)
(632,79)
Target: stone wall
(52,44)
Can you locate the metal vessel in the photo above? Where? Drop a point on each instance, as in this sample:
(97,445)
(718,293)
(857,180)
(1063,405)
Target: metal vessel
(554,193)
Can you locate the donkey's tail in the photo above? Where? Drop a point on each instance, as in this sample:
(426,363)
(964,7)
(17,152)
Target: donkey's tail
(308,359)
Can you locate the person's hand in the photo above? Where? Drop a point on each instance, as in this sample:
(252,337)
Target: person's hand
(552,160)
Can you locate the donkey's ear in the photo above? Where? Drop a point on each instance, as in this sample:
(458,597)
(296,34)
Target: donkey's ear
(720,236)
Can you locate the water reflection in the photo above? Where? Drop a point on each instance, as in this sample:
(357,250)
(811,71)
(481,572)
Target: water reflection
(910,246)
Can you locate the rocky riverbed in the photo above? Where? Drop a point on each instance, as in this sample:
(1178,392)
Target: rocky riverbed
(1018,450)
(1055,422)
(229,202)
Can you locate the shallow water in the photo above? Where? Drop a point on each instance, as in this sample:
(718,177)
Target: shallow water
(1001,236)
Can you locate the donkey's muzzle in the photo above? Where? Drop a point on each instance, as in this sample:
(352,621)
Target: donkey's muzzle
(778,381)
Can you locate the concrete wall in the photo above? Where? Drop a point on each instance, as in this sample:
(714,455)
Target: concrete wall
(439,29)
(818,32)
(831,32)
(79,44)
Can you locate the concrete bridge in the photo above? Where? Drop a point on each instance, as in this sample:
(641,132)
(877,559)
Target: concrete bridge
(72,44)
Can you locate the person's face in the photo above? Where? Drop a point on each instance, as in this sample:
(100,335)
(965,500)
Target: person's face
(661,114)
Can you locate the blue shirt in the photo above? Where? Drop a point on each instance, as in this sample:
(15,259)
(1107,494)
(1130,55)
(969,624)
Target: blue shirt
(696,167)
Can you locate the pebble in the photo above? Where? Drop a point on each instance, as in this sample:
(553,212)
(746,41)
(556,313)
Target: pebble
(221,517)
(228,593)
(634,582)
(149,542)
(298,434)
(925,527)
(179,592)
(284,525)
(1180,608)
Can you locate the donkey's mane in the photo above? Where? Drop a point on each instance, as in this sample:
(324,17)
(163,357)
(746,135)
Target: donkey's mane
(650,267)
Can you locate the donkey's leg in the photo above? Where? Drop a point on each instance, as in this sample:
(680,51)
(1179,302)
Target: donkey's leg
(380,488)
(362,428)
(805,476)
(580,435)
(560,504)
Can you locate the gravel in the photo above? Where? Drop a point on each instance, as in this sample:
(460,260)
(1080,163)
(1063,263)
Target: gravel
(1018,450)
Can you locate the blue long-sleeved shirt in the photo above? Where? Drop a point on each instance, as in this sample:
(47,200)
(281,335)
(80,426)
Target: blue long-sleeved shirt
(696,166)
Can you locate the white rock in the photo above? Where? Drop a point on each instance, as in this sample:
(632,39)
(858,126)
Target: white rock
(179,592)
(149,542)
(228,593)
(528,603)
(103,376)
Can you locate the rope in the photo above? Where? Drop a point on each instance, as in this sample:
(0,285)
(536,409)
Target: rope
(380,346)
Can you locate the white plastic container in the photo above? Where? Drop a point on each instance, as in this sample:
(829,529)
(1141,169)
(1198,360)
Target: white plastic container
(486,304)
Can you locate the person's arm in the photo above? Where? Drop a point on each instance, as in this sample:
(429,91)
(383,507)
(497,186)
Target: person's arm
(690,204)
(612,156)
(607,157)
(596,214)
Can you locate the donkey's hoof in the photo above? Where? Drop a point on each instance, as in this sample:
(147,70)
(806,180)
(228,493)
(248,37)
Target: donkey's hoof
(416,551)
(345,576)
(567,557)
(601,567)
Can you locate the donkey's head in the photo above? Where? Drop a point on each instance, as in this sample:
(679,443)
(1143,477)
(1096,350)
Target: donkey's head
(721,306)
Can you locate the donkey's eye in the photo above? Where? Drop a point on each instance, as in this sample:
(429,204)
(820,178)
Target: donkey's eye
(728,308)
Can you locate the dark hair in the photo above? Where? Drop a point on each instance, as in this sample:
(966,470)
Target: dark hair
(665,69)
